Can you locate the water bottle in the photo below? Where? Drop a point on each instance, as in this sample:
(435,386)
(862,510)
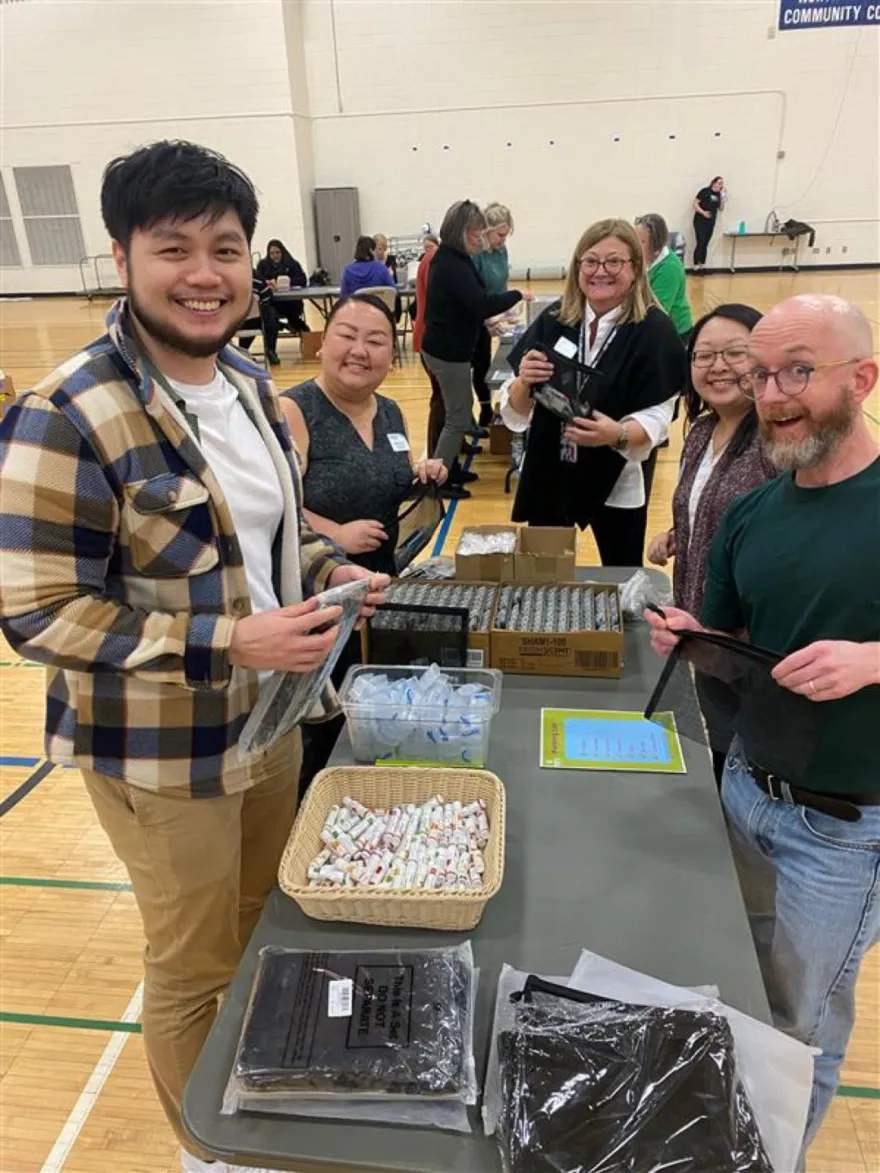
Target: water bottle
(742,227)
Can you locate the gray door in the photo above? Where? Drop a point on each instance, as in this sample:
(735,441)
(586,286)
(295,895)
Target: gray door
(337,225)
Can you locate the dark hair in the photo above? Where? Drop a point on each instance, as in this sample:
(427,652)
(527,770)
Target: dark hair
(364,249)
(177,179)
(461,217)
(694,405)
(655,226)
(715,179)
(370,299)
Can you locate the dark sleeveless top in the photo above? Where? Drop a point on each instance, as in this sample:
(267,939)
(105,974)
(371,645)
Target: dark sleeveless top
(345,481)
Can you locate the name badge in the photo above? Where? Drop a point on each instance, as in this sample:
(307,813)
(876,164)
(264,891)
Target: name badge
(566,347)
(398,441)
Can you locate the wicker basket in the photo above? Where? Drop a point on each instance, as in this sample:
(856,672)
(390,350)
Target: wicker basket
(378,786)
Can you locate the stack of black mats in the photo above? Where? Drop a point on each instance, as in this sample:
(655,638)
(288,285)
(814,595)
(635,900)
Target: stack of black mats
(597,1086)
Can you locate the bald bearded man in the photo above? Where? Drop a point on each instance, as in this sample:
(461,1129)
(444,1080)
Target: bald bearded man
(796,565)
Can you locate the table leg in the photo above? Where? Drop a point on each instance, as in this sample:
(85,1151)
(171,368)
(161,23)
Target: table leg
(733,254)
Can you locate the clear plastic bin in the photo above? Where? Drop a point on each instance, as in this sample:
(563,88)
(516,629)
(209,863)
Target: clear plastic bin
(416,729)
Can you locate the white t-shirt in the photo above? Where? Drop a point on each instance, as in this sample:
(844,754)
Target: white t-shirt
(238,458)
(629,491)
(708,462)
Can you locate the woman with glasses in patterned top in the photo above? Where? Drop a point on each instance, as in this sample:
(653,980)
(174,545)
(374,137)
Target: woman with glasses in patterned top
(723,457)
(588,471)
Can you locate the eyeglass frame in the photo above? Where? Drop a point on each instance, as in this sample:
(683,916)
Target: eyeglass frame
(714,354)
(811,369)
(598,264)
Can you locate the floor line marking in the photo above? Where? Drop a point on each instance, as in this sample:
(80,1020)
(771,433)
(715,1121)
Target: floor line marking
(82,1109)
(17,760)
(22,1019)
(49,882)
(29,784)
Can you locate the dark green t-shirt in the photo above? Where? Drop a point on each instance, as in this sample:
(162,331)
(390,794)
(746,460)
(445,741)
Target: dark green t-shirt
(793,566)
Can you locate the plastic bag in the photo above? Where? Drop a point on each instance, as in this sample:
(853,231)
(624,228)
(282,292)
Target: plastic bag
(287,698)
(776,1071)
(382,1035)
(641,589)
(431,568)
(590,1085)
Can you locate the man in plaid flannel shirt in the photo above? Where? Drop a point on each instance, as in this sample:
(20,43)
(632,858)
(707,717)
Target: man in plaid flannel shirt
(154,557)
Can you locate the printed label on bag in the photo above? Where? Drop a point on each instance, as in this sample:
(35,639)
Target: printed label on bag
(382,1011)
(398,441)
(339,998)
(566,347)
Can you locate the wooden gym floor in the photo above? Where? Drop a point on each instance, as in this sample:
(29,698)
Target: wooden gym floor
(75,1094)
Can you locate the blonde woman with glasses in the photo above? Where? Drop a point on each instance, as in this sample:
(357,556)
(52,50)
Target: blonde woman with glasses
(588,471)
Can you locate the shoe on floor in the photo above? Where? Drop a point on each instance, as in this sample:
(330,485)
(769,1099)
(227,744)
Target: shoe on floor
(471,449)
(463,477)
(455,492)
(274,360)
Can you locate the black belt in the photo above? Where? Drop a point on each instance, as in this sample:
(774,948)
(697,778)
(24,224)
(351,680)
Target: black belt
(839,806)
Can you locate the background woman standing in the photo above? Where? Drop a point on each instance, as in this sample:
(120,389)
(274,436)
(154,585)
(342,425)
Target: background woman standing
(493,265)
(666,274)
(707,202)
(458,305)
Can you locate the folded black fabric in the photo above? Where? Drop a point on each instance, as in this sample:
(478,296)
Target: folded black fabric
(612,1088)
(407,1033)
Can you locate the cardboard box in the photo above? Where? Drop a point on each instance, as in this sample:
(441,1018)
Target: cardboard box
(485,567)
(499,440)
(311,343)
(569,653)
(545,554)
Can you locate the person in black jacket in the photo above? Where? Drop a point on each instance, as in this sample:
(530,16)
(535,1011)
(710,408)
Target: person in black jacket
(278,262)
(707,203)
(457,307)
(589,472)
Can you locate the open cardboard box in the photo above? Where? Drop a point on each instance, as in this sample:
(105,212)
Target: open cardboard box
(564,653)
(485,567)
(545,554)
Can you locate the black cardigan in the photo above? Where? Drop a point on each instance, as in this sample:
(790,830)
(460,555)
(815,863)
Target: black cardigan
(644,364)
(458,304)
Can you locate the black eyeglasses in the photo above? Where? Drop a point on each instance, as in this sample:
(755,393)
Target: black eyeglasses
(791,380)
(732,355)
(611,265)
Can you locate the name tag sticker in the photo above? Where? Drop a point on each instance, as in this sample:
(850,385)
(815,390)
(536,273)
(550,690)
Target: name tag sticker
(398,441)
(566,347)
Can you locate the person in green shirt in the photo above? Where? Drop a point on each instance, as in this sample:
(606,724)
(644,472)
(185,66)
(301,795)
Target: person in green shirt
(796,565)
(666,274)
(493,265)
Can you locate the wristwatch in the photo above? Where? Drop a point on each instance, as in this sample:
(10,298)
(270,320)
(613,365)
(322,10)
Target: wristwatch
(623,441)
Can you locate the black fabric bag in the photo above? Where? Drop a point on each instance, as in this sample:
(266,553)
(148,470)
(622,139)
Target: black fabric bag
(407,1032)
(590,1085)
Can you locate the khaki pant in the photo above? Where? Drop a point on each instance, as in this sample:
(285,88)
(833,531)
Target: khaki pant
(201,869)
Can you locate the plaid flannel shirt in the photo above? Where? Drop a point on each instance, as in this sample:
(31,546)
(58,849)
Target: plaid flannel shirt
(122,571)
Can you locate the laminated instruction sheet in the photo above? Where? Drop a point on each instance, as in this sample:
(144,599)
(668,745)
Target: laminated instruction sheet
(607,739)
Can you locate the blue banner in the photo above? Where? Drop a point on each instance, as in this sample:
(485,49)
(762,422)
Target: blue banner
(813,14)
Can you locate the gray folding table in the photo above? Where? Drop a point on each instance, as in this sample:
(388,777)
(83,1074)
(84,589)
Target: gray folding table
(635,867)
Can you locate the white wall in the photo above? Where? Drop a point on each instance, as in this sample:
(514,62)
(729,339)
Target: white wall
(305,93)
(459,82)
(85,81)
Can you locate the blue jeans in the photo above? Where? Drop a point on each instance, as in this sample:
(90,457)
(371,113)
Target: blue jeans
(811,885)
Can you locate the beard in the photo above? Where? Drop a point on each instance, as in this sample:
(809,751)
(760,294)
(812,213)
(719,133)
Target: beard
(825,434)
(168,335)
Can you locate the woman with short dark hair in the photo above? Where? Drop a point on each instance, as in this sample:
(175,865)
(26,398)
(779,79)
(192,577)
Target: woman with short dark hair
(365,272)
(457,306)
